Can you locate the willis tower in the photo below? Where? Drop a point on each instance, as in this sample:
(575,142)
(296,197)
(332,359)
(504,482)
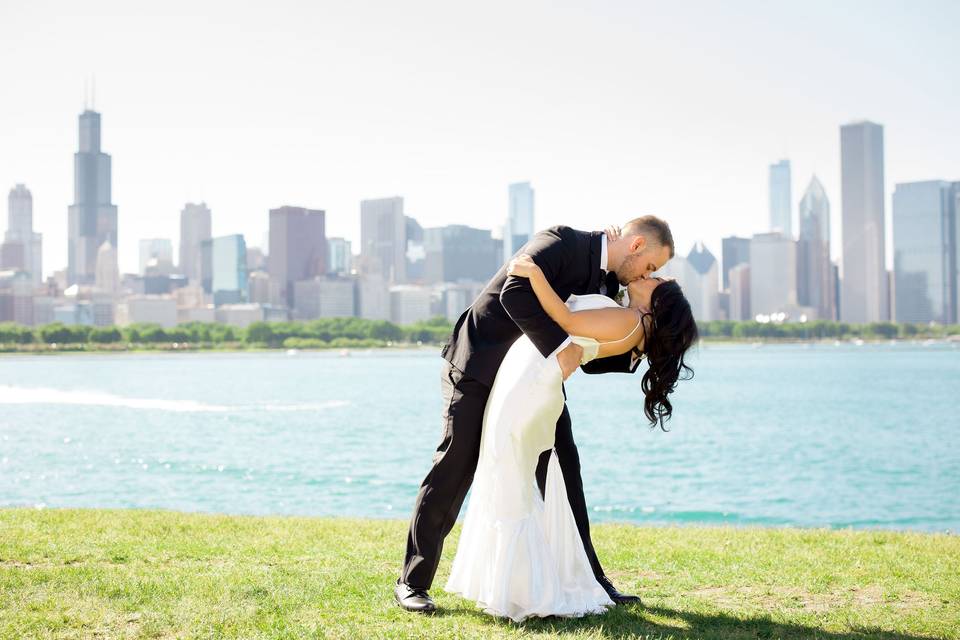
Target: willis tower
(92,218)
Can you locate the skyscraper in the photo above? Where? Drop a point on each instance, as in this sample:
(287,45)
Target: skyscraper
(92,218)
(298,248)
(864,289)
(20,238)
(925,251)
(383,238)
(229,269)
(195,227)
(520,218)
(814,272)
(703,288)
(739,287)
(457,252)
(773,273)
(735,251)
(107,271)
(781,200)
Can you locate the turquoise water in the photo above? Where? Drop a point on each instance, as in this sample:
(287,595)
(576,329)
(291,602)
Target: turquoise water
(807,435)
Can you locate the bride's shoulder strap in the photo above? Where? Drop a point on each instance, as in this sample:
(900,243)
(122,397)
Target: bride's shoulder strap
(632,331)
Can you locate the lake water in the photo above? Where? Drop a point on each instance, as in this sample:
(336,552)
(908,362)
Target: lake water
(807,435)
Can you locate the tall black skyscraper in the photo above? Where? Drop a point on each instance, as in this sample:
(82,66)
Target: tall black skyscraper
(92,218)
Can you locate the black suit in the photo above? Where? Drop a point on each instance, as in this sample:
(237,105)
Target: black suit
(507,307)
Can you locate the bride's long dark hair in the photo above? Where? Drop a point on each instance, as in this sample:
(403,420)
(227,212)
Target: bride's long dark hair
(672,331)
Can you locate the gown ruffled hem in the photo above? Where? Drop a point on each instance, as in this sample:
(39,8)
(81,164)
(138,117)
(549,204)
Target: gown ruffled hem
(533,566)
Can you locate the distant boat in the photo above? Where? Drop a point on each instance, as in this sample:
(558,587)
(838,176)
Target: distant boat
(858,342)
(292,352)
(344,353)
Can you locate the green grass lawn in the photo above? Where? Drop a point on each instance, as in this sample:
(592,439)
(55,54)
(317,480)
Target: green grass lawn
(160,574)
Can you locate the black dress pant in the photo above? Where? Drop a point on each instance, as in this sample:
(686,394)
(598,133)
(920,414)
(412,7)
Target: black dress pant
(445,487)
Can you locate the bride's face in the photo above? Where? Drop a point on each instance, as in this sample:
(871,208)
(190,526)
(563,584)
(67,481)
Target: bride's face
(640,291)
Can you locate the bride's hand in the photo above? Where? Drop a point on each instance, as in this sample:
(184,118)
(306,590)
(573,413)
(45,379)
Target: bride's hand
(523,266)
(613,232)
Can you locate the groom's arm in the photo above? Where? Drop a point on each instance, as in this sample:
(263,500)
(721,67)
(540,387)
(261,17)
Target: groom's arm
(552,253)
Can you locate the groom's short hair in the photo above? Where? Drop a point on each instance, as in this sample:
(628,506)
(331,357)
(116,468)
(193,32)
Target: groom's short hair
(653,228)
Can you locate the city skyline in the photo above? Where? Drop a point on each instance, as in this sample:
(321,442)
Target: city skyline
(786,274)
(688,138)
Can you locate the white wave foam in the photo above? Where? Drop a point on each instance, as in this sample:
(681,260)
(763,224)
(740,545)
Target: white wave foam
(39,395)
(307,406)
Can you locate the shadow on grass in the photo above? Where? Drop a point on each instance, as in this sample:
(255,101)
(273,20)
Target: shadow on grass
(630,622)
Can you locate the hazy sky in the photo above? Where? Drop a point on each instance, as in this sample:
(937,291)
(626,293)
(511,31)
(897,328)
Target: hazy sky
(610,109)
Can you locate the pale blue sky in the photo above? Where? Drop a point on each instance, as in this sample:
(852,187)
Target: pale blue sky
(611,109)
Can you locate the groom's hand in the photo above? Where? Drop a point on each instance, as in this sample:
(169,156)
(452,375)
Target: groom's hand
(569,359)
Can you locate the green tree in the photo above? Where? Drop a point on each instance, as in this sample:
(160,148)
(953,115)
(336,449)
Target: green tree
(12,333)
(105,335)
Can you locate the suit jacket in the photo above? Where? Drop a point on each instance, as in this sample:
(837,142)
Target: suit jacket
(507,306)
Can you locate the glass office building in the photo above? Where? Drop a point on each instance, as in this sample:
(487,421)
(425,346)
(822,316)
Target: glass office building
(925,251)
(228,260)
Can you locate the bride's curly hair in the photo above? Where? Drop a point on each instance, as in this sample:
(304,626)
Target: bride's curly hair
(672,332)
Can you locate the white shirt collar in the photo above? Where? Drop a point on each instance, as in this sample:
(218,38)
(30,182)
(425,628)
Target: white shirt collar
(603,252)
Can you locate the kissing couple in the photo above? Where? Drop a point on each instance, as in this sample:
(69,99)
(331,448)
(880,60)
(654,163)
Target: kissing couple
(525,547)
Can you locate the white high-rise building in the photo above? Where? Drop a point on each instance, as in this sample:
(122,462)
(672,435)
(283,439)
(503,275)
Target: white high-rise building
(520,218)
(383,238)
(739,285)
(20,237)
(703,291)
(781,200)
(864,292)
(107,271)
(773,274)
(195,228)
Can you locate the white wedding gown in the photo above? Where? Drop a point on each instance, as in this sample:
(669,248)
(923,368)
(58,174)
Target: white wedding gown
(521,555)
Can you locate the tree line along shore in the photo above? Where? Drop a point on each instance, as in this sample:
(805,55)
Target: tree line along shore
(340,333)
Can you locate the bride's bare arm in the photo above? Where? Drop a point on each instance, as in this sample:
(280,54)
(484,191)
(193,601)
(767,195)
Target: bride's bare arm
(602,325)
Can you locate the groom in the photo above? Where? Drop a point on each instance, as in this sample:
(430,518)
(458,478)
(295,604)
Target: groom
(574,262)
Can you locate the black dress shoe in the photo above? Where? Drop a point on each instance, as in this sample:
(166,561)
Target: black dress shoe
(616,596)
(413,599)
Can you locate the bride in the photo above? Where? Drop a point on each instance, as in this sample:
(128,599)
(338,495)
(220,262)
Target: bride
(520,554)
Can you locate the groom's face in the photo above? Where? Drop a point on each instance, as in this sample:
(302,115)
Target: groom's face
(643,260)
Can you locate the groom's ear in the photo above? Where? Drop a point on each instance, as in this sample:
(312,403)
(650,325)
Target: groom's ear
(639,243)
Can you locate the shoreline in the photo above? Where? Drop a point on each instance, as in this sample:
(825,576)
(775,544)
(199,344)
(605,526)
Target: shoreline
(141,349)
(656,525)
